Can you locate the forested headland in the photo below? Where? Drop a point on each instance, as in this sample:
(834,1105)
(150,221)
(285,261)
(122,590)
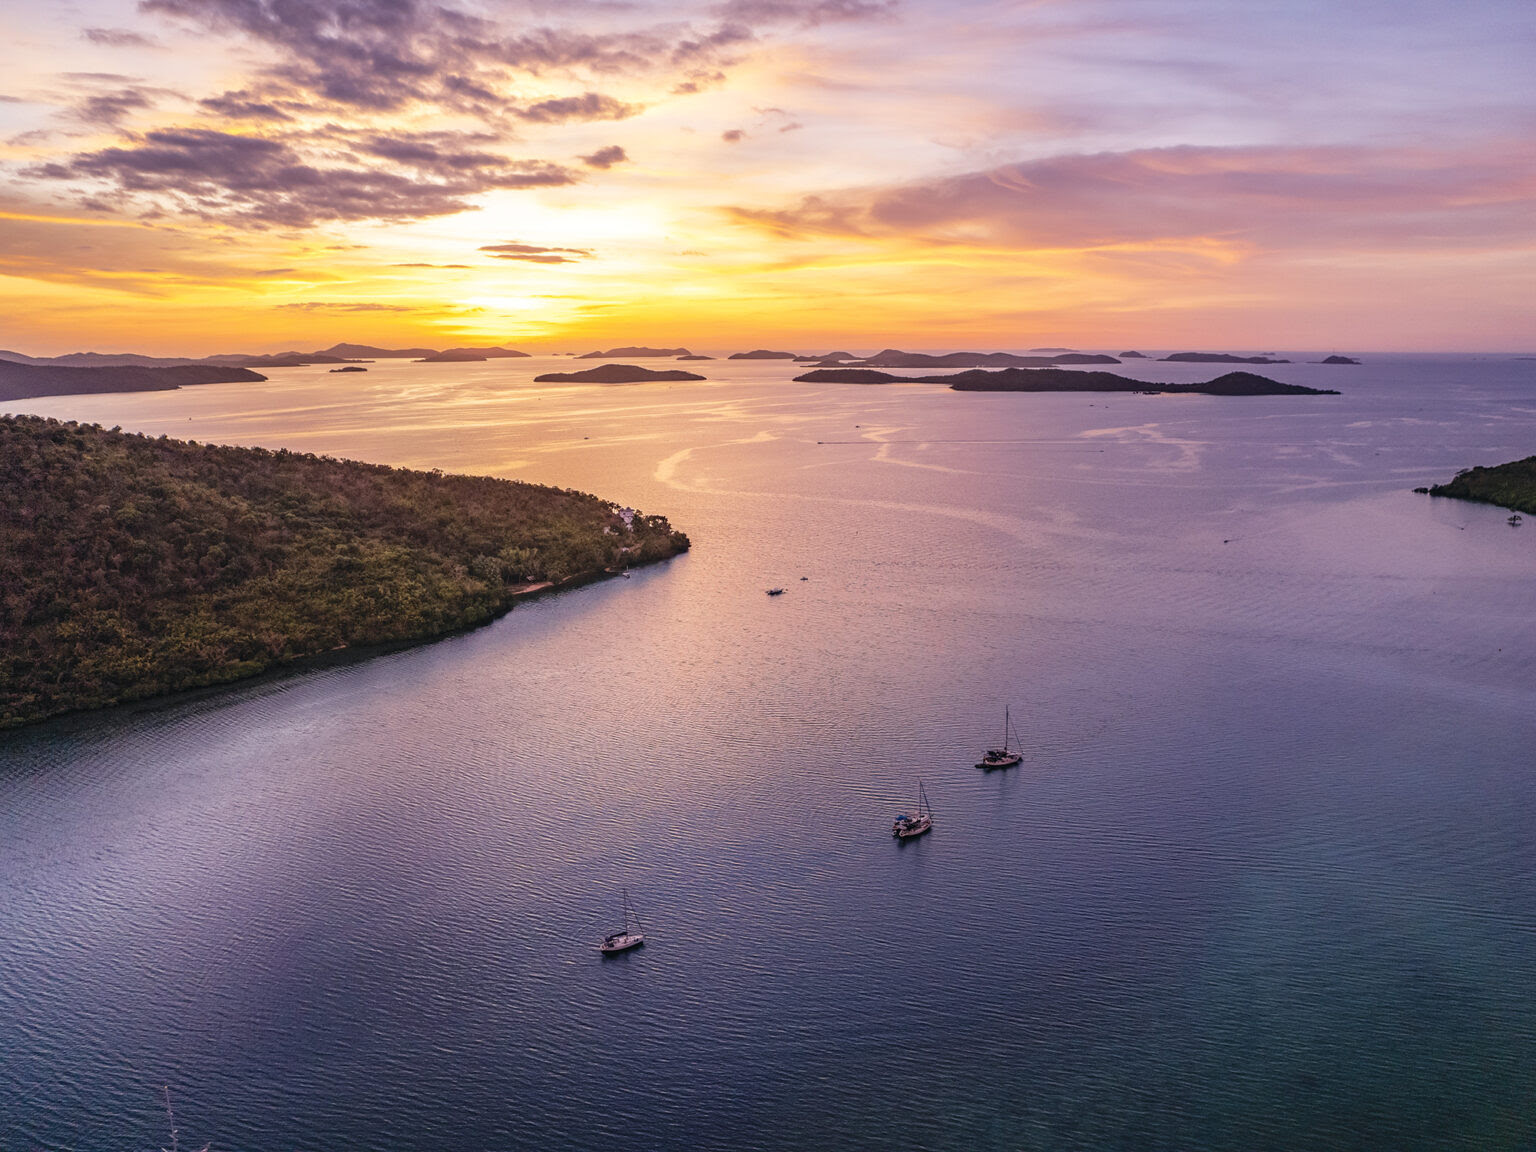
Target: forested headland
(1511,485)
(132,566)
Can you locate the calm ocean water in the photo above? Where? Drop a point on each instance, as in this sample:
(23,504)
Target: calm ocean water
(1265,880)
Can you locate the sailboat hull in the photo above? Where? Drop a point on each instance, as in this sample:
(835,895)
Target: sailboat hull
(622,942)
(1008,761)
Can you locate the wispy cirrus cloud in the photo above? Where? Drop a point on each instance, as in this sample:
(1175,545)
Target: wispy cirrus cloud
(118,38)
(1266,197)
(806,13)
(342,306)
(110,109)
(535,253)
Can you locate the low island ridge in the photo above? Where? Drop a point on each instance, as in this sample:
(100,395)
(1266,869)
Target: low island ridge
(18,381)
(1067,380)
(615,374)
(635,353)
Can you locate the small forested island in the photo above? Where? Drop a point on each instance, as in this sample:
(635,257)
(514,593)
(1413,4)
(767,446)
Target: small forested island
(1338,360)
(1511,486)
(615,374)
(349,368)
(1066,380)
(763,354)
(133,567)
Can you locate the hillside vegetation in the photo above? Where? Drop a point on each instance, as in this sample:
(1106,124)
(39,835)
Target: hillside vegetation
(1511,485)
(131,566)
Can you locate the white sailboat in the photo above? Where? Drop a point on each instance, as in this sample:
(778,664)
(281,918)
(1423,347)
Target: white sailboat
(1009,754)
(626,937)
(905,827)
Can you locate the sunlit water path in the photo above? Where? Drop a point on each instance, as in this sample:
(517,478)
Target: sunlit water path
(1266,879)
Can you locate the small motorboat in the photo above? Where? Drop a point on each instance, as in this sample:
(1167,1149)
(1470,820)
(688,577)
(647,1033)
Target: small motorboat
(627,937)
(775,591)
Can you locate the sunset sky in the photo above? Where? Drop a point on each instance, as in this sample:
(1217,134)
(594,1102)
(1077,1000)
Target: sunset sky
(202,176)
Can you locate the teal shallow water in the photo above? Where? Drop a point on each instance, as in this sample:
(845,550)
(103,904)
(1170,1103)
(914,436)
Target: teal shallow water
(1266,879)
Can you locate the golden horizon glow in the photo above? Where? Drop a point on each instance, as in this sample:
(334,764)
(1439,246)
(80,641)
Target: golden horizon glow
(774,181)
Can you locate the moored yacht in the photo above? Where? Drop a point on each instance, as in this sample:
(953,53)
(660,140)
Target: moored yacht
(627,937)
(1009,754)
(904,827)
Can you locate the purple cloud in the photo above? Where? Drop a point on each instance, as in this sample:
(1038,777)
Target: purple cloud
(588,106)
(382,55)
(535,253)
(117,38)
(605,157)
(806,13)
(241,106)
(111,108)
(1265,197)
(267,182)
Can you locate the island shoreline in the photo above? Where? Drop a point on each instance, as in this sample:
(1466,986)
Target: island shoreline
(79,718)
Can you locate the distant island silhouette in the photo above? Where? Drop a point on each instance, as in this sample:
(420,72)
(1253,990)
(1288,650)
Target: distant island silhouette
(78,373)
(615,374)
(1337,360)
(489,353)
(1219,358)
(369,352)
(291,359)
(763,354)
(1066,380)
(621,353)
(18,381)
(896,358)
